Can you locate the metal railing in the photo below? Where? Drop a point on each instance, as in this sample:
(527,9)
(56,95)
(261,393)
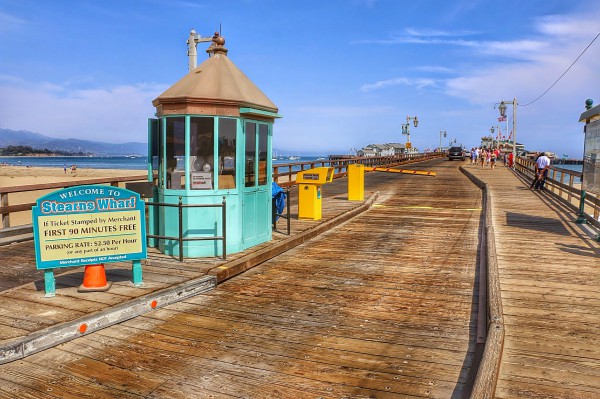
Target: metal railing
(180,238)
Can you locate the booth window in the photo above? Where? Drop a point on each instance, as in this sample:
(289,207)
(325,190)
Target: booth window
(250,174)
(263,134)
(175,151)
(227,148)
(155,147)
(202,158)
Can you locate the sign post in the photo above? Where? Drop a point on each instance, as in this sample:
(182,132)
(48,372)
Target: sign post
(85,225)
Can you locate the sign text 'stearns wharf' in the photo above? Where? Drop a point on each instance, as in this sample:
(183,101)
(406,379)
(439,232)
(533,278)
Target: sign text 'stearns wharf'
(86,225)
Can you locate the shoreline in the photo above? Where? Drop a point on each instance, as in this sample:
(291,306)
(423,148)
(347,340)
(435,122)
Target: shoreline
(17,176)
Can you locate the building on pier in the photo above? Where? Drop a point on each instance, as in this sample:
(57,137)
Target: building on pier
(212,139)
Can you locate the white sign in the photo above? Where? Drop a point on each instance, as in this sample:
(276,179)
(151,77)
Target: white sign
(201,180)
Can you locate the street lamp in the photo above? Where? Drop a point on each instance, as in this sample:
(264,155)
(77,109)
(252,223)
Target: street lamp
(406,129)
(502,108)
(444,132)
(492,132)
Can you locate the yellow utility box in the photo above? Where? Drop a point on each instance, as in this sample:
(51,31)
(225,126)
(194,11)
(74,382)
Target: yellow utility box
(356,182)
(309,191)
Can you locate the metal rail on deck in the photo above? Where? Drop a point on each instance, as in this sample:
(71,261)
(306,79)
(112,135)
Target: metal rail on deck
(180,237)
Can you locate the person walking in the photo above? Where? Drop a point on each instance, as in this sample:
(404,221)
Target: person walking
(543,165)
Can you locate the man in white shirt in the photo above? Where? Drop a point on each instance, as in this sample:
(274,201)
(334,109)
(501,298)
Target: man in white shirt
(542,164)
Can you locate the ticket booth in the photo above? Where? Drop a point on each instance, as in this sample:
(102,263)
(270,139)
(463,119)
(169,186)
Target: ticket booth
(310,183)
(212,140)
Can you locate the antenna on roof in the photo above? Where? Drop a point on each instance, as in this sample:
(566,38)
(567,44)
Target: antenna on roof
(192,53)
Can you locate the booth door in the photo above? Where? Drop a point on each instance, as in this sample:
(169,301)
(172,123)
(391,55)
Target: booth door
(256,205)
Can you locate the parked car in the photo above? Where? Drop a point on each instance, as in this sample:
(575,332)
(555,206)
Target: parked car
(456,153)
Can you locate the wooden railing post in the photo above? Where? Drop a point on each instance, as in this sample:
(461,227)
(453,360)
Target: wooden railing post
(5,216)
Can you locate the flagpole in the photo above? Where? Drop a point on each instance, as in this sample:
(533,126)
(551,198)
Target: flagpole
(515,129)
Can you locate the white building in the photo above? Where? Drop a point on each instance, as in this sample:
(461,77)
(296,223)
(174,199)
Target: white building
(384,150)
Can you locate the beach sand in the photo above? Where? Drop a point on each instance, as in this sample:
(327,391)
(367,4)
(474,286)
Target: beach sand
(16,176)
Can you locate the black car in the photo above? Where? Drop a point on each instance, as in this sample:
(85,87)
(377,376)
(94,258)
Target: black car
(456,153)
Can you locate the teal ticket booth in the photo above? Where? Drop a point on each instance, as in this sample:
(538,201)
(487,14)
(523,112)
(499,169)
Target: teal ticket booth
(212,139)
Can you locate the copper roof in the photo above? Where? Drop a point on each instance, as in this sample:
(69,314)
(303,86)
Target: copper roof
(217,81)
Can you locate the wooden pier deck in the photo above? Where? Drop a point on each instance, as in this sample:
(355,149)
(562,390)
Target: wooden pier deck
(549,272)
(383,305)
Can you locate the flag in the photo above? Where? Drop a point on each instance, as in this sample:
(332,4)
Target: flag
(502,119)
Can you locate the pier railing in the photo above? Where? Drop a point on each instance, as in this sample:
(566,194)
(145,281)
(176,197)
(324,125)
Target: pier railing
(565,184)
(6,209)
(283,174)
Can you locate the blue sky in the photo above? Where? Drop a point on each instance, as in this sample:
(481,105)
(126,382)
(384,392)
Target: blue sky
(343,73)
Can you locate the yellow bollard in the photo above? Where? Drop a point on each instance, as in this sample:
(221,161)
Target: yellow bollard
(356,182)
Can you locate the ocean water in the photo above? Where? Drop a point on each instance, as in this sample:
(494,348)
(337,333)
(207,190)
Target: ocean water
(577,168)
(136,163)
(81,162)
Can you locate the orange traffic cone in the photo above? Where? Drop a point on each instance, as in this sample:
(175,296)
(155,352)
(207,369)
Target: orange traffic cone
(94,279)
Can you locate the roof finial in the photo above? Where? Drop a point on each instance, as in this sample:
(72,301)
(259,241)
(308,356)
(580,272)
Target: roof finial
(216,46)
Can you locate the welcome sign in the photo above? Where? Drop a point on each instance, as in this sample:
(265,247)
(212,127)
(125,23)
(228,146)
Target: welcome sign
(88,224)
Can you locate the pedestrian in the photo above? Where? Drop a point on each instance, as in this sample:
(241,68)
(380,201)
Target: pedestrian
(65,168)
(543,165)
(474,155)
(535,171)
(482,156)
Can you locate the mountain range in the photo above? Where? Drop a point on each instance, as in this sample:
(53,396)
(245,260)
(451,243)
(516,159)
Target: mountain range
(40,141)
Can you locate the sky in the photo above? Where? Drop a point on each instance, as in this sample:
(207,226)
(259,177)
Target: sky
(343,73)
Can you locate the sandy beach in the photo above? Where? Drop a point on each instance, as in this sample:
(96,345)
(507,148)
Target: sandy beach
(15,176)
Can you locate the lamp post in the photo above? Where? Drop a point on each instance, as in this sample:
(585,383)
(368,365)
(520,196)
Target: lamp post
(502,108)
(492,132)
(444,133)
(406,129)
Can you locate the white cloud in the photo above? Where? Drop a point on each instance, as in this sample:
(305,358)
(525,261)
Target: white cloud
(333,112)
(9,22)
(433,68)
(118,114)
(418,83)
